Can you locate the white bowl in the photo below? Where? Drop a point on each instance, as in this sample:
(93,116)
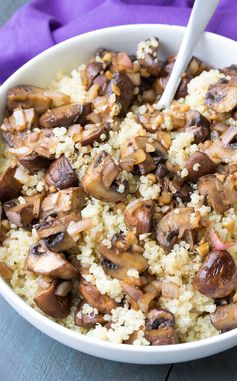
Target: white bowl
(213,49)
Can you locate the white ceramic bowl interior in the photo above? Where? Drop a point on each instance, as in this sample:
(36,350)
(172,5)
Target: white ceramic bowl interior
(212,49)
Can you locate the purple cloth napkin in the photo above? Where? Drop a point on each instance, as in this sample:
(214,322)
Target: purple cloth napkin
(43,23)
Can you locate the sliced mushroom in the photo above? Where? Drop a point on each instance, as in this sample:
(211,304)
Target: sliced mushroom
(42,261)
(22,214)
(60,174)
(100,179)
(5,271)
(151,121)
(34,162)
(87,134)
(92,70)
(199,125)
(123,87)
(162,336)
(143,151)
(51,304)
(176,224)
(139,214)
(18,123)
(159,328)
(220,195)
(117,262)
(88,320)
(222,95)
(223,149)
(217,276)
(198,165)
(27,96)
(9,186)
(64,201)
(92,296)
(62,116)
(225,317)
(159,319)
(55,232)
(150,62)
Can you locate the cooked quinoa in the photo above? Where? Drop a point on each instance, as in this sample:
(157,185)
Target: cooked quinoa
(140,202)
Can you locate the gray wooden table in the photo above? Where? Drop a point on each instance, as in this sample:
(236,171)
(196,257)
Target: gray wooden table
(26,354)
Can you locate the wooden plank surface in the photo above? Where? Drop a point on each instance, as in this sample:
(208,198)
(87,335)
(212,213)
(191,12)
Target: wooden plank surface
(28,355)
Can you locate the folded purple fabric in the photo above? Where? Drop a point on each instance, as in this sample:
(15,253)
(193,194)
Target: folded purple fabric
(43,23)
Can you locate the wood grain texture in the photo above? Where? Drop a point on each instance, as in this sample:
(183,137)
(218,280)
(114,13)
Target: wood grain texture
(26,354)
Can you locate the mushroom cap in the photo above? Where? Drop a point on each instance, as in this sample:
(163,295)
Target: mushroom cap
(60,174)
(40,260)
(92,296)
(176,224)
(220,195)
(139,214)
(217,276)
(225,317)
(117,263)
(222,95)
(51,304)
(62,116)
(67,200)
(99,180)
(9,186)
(198,165)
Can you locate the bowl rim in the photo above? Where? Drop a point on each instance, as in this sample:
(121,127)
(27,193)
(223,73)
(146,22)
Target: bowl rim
(36,318)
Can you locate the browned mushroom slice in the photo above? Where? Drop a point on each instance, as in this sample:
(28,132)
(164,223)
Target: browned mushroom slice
(117,263)
(34,162)
(92,296)
(122,86)
(222,95)
(199,125)
(51,304)
(42,261)
(143,151)
(20,121)
(61,116)
(217,276)
(5,271)
(139,214)
(22,214)
(88,320)
(223,150)
(55,234)
(60,174)
(176,224)
(198,165)
(159,319)
(150,62)
(151,121)
(27,96)
(138,298)
(64,201)
(230,70)
(92,70)
(100,180)
(220,195)
(225,317)
(55,225)
(87,134)
(9,186)
(159,327)
(162,336)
